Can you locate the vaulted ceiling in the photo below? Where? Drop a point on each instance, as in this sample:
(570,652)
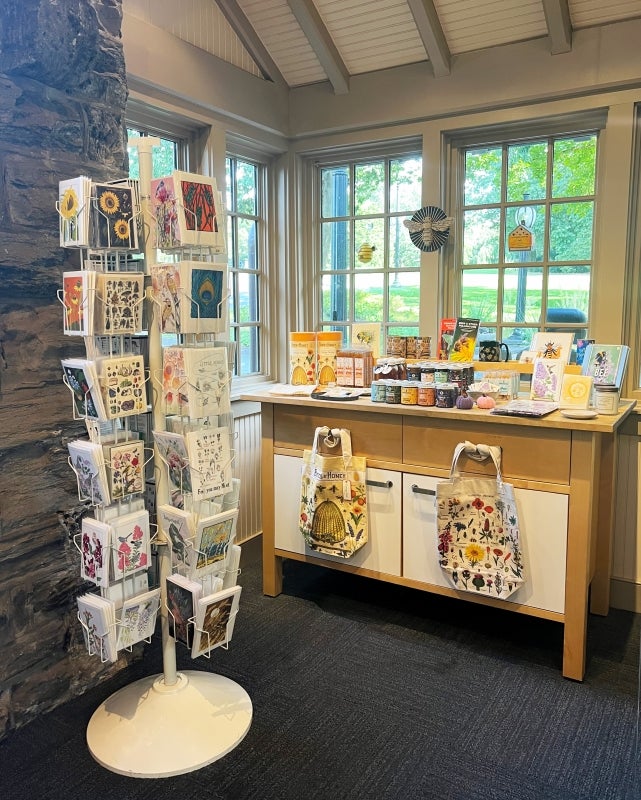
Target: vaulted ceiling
(298,42)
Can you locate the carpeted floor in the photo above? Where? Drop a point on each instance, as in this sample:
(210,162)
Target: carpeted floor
(365,690)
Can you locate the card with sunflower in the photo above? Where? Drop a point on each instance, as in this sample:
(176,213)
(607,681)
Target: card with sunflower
(113,217)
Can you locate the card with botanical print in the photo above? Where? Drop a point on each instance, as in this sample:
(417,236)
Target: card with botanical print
(73,210)
(114,226)
(137,618)
(178,526)
(166,292)
(78,290)
(175,397)
(125,468)
(123,386)
(210,462)
(213,536)
(98,620)
(215,618)
(203,303)
(131,545)
(164,210)
(119,302)
(199,211)
(95,541)
(81,378)
(208,381)
(172,449)
(87,461)
(182,595)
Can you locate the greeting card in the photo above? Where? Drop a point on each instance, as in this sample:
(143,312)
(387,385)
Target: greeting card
(164,210)
(87,461)
(178,526)
(199,211)
(73,208)
(210,462)
(98,620)
(78,290)
(547,377)
(172,449)
(215,618)
(95,541)
(123,386)
(208,381)
(182,595)
(130,543)
(119,302)
(113,224)
(125,468)
(203,303)
(166,292)
(137,618)
(213,536)
(81,378)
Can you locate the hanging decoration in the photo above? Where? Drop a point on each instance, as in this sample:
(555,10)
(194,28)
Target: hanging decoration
(365,252)
(429,228)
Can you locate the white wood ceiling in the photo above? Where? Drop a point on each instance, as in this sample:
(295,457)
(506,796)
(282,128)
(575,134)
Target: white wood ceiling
(307,41)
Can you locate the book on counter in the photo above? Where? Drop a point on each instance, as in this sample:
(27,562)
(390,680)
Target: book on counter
(464,339)
(526,408)
(606,363)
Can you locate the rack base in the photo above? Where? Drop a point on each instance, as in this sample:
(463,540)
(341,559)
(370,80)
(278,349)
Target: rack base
(151,730)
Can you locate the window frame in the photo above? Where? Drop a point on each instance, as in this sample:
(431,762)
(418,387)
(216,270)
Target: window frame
(592,121)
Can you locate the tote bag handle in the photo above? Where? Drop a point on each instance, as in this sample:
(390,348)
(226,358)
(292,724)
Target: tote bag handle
(478,452)
(333,437)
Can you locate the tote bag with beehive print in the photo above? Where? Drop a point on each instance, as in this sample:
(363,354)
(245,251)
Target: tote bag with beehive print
(333,505)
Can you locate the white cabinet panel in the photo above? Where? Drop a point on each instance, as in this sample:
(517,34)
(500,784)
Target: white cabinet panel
(543,524)
(382,553)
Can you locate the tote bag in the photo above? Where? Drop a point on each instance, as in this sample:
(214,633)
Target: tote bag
(479,544)
(333,504)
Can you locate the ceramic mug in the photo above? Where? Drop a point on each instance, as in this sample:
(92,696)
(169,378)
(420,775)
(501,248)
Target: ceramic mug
(491,351)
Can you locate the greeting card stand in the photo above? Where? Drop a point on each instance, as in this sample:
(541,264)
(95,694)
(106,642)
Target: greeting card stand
(177,722)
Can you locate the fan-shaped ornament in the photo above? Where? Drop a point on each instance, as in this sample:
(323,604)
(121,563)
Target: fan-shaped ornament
(429,228)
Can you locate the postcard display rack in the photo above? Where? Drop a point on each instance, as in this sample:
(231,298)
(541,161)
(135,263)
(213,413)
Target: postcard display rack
(176,722)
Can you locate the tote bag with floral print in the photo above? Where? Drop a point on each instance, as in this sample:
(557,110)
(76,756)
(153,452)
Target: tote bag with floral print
(478,531)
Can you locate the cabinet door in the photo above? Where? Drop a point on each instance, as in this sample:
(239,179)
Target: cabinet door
(381,553)
(543,518)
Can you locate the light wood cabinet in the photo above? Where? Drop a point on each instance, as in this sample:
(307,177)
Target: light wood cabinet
(563,472)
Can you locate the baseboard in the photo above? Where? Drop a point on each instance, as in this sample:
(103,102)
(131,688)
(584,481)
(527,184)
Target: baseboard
(625,595)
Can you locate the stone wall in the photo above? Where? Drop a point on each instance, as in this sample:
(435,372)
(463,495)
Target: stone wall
(62,99)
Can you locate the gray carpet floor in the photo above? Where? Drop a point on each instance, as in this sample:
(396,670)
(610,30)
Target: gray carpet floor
(365,690)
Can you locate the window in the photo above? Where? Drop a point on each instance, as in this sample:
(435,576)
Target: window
(526,245)
(246,259)
(164,159)
(369,268)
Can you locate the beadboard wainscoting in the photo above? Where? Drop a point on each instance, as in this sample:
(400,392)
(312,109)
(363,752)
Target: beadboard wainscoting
(626,551)
(247,468)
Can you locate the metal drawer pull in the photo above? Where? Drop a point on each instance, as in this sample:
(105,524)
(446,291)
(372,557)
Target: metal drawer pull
(382,484)
(418,490)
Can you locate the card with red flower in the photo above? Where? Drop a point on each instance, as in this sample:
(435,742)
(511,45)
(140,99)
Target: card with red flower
(130,543)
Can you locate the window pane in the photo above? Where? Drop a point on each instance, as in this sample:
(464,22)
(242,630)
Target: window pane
(404,292)
(481,236)
(405,184)
(483,176)
(368,297)
(574,166)
(335,191)
(522,295)
(479,294)
(246,243)
(335,245)
(571,231)
(402,252)
(247,297)
(531,217)
(246,179)
(369,188)
(335,298)
(527,167)
(231,242)
(248,353)
(569,289)
(229,186)
(369,243)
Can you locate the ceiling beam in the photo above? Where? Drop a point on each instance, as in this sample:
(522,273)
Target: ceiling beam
(557,18)
(431,33)
(322,43)
(250,40)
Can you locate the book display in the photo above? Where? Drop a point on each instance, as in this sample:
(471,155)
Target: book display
(185,453)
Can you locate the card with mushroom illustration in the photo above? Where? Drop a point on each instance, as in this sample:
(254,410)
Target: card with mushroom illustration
(120,296)
(123,386)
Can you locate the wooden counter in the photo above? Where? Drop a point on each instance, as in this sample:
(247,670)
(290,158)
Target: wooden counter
(563,471)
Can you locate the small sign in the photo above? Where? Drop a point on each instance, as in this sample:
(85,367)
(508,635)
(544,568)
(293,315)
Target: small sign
(520,239)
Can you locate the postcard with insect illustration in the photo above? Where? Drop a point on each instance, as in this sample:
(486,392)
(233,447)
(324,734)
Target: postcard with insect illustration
(553,345)
(123,386)
(120,296)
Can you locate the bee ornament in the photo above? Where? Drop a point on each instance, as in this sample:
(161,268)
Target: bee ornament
(365,252)
(429,228)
